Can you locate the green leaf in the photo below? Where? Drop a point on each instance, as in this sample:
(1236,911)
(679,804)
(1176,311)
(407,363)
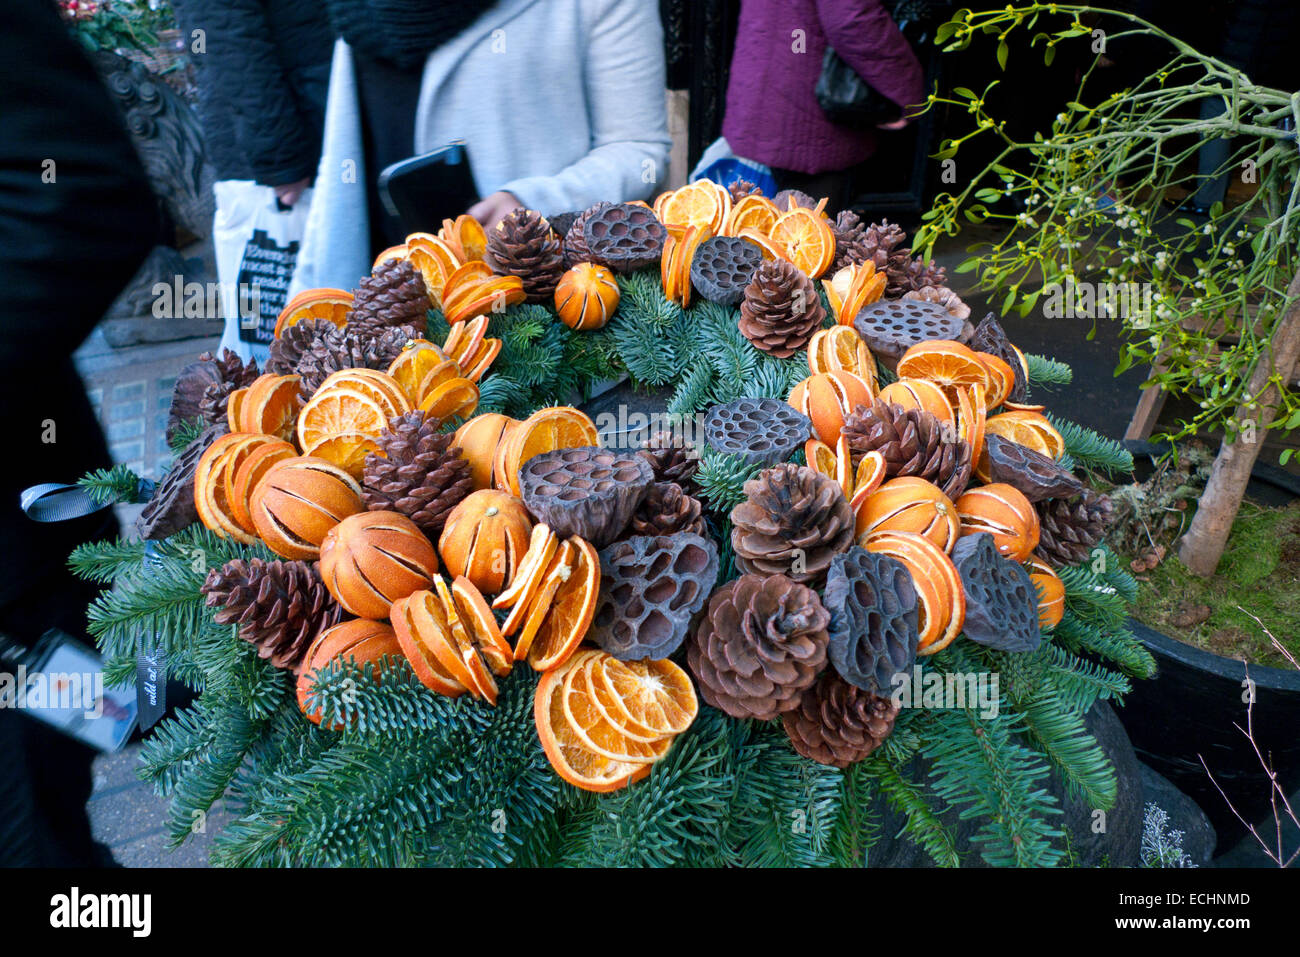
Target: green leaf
(1003,50)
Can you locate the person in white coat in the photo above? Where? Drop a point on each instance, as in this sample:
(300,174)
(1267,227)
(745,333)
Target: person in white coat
(561,104)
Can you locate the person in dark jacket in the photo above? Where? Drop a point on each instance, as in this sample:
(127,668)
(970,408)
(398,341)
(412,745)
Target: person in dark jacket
(76,220)
(263,71)
(772,115)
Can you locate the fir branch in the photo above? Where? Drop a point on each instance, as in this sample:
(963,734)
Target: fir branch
(1077,682)
(721,478)
(111,486)
(1120,647)
(1072,750)
(103,562)
(1046,372)
(185,433)
(1091,450)
(908,797)
(348,695)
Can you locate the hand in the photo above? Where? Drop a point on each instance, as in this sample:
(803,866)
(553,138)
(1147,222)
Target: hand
(290,193)
(491,209)
(897,124)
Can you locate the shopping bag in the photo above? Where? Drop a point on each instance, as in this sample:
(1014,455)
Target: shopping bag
(256,244)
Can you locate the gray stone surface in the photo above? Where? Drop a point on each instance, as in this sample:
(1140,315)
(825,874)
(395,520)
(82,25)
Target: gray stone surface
(1184,815)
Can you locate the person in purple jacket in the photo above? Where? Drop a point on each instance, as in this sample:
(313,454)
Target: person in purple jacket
(772,114)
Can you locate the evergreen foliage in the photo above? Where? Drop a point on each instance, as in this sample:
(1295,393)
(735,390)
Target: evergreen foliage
(398,775)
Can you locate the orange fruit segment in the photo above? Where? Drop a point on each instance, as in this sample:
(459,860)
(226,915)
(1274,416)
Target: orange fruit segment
(571,609)
(557,427)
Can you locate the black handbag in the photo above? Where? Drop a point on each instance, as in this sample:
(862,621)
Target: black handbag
(847,98)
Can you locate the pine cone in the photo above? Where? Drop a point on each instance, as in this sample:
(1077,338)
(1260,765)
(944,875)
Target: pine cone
(575,241)
(856,242)
(523,245)
(279,606)
(759,646)
(742,188)
(793,521)
(667,510)
(288,350)
(673,459)
(838,724)
(781,310)
(782,200)
(1070,530)
(393,295)
(232,373)
(905,274)
(420,474)
(913,442)
(344,348)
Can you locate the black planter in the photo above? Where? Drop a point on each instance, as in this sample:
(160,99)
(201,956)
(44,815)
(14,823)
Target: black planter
(1190,709)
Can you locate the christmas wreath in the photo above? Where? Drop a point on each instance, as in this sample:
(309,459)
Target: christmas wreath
(432,619)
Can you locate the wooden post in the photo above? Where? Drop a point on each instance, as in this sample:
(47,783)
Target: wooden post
(1202,546)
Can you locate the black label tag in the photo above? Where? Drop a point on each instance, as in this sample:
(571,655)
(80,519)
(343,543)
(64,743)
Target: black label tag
(265,271)
(150,666)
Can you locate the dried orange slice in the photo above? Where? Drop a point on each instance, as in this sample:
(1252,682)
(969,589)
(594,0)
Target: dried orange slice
(465,337)
(870,475)
(559,570)
(416,645)
(587,721)
(448,259)
(806,239)
(841,348)
(696,204)
(431,270)
(771,250)
(851,288)
(542,545)
(339,411)
(821,457)
(348,451)
(234,407)
(454,648)
(1000,379)
(331,304)
(971,415)
(647,697)
(573,761)
(752,211)
(246,466)
(944,362)
(210,485)
(473,608)
(557,427)
(417,359)
(571,609)
(941,601)
(455,397)
(474,366)
(270,406)
(1030,429)
(920,394)
(380,386)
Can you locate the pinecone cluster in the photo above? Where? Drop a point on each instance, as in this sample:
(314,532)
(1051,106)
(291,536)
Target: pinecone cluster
(523,245)
(742,188)
(1072,528)
(781,310)
(232,373)
(346,348)
(287,351)
(393,295)
(418,472)
(913,442)
(280,606)
(882,244)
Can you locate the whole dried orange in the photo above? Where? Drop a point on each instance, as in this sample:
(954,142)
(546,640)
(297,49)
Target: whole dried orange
(478,440)
(245,469)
